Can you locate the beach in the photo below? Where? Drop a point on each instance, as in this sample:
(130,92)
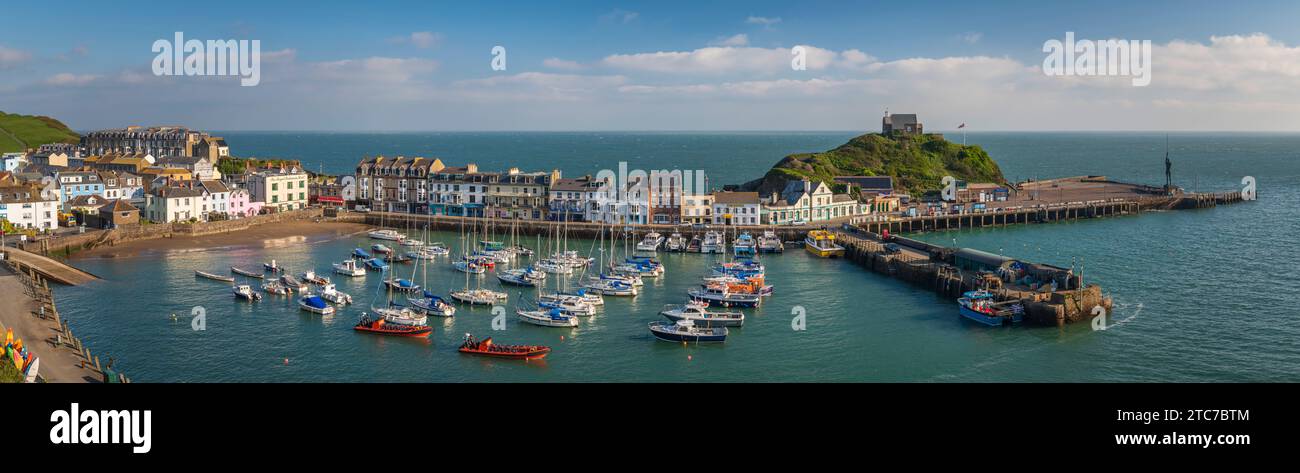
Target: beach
(261,236)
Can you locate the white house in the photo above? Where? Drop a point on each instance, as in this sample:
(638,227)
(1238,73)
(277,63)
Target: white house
(25,207)
(808,202)
(13,161)
(281,189)
(122,185)
(172,204)
(215,198)
(736,208)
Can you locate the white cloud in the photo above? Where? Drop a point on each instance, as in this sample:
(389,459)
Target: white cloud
(619,16)
(719,60)
(69,79)
(733,40)
(10,57)
(562,64)
(419,39)
(972,38)
(762,20)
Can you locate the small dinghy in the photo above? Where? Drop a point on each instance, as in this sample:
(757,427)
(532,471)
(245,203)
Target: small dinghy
(349,268)
(699,314)
(245,292)
(686,331)
(547,317)
(272,267)
(312,277)
(358,253)
(485,347)
(379,326)
(315,304)
(380,249)
(431,304)
(274,287)
(214,277)
(403,285)
(331,294)
(251,274)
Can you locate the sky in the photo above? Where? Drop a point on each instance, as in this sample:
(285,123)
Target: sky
(584,65)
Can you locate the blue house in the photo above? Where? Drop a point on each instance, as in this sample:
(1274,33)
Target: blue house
(78,183)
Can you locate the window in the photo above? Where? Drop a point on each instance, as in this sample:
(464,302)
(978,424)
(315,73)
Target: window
(275,187)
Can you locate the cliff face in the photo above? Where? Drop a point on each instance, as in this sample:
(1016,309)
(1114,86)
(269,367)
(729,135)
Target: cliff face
(917,163)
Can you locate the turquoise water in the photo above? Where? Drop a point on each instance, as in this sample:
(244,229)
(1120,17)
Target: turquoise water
(1200,295)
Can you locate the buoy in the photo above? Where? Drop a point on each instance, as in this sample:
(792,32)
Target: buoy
(286,361)
(689,358)
(561,338)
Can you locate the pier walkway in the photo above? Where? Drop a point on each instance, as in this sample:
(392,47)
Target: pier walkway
(28,309)
(47,268)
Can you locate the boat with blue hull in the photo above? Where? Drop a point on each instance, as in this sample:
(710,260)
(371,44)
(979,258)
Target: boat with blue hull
(374,264)
(360,254)
(982,307)
(432,304)
(744,245)
(719,295)
(686,331)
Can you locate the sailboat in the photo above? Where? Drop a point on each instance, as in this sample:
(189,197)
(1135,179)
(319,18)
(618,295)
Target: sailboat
(477,296)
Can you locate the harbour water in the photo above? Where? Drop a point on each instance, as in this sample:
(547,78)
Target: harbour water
(1200,295)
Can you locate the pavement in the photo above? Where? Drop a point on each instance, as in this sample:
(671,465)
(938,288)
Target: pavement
(59,363)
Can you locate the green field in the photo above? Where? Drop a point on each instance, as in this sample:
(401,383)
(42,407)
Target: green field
(20,132)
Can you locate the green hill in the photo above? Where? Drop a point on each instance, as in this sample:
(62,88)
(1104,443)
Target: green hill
(917,163)
(21,132)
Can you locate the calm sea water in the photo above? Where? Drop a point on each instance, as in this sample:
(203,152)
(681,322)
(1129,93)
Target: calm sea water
(1200,295)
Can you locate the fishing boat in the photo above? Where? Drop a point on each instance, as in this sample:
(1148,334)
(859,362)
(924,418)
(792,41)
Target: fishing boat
(358,253)
(294,283)
(699,314)
(744,245)
(272,267)
(215,277)
(245,292)
(331,294)
(396,258)
(982,307)
(547,317)
(315,304)
(479,296)
(349,268)
(676,243)
(380,326)
(822,243)
(386,234)
(244,272)
(522,277)
(431,304)
(712,243)
(770,243)
(312,277)
(380,249)
(686,331)
(486,347)
(274,287)
(402,285)
(719,295)
(694,246)
(651,242)
(468,267)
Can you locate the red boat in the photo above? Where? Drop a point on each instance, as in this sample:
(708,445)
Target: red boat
(378,326)
(487,348)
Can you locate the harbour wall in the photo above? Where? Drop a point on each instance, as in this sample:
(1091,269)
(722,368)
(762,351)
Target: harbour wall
(65,245)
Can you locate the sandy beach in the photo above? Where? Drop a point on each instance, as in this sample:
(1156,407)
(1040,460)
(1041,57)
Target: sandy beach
(269,235)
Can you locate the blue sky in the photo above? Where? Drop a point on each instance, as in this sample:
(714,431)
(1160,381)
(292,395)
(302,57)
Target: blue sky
(593,65)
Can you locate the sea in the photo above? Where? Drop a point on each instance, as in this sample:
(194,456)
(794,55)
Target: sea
(1199,295)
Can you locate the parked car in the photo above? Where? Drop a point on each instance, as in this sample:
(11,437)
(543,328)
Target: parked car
(798,222)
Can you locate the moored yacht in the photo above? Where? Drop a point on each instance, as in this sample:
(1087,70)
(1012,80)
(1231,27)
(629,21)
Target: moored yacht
(651,242)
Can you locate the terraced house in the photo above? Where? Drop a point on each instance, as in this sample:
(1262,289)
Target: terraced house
(283,188)
(459,191)
(23,206)
(804,201)
(78,183)
(520,195)
(397,184)
(574,200)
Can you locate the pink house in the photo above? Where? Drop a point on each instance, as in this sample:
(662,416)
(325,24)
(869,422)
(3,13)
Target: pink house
(242,205)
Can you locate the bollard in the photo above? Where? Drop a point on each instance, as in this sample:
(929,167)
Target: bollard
(97,364)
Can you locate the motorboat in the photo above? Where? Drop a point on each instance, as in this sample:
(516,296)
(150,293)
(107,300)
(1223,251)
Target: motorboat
(396,314)
(521,277)
(719,295)
(487,347)
(712,243)
(312,277)
(822,244)
(744,245)
(350,268)
(274,287)
(272,267)
(402,285)
(479,296)
(676,243)
(358,253)
(380,249)
(294,283)
(547,317)
(386,234)
(245,292)
(651,242)
(381,327)
(982,306)
(431,304)
(315,304)
(331,294)
(686,331)
(768,242)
